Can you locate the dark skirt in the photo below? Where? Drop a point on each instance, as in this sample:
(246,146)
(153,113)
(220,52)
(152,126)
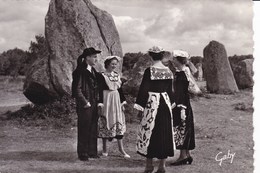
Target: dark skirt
(184,137)
(161,142)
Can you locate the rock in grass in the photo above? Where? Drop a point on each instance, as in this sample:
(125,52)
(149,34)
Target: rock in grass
(218,74)
(243,74)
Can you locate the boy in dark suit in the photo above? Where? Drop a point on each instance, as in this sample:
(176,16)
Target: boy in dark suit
(85,90)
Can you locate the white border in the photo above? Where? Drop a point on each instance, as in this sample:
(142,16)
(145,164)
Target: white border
(256,118)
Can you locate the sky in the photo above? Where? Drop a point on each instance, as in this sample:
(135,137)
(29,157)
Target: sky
(171,24)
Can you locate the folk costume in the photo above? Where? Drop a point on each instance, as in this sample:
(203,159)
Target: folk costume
(111,123)
(155,135)
(183,116)
(183,122)
(85,90)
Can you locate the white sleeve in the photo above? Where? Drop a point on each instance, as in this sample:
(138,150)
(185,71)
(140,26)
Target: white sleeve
(193,87)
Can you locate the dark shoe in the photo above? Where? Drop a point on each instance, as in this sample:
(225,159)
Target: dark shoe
(83,158)
(94,156)
(149,170)
(186,161)
(160,171)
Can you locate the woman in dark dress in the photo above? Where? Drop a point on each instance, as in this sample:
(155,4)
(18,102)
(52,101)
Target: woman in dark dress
(154,101)
(183,115)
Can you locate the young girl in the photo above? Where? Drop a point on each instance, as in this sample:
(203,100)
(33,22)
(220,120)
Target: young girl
(111,123)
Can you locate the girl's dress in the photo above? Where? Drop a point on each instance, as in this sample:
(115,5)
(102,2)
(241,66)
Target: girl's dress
(183,122)
(155,137)
(111,123)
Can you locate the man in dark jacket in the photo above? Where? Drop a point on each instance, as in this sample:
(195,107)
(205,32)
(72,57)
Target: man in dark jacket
(85,90)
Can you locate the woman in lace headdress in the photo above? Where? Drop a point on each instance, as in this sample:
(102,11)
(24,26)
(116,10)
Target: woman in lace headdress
(183,115)
(111,123)
(155,137)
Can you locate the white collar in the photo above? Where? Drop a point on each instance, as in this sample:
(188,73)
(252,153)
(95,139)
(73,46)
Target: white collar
(89,68)
(182,69)
(113,73)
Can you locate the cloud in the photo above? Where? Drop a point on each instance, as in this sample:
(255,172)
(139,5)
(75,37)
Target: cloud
(2,41)
(189,25)
(20,21)
(164,23)
(131,29)
(202,15)
(192,25)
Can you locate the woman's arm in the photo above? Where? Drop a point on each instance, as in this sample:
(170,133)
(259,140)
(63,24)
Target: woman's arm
(193,87)
(122,96)
(142,96)
(101,86)
(171,95)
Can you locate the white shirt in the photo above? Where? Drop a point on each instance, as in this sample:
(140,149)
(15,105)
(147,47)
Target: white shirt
(89,68)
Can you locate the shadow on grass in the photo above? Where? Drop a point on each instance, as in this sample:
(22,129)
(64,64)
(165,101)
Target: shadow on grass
(70,162)
(67,157)
(103,170)
(39,156)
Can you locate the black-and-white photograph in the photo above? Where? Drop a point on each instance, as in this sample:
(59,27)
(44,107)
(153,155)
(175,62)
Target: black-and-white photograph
(136,86)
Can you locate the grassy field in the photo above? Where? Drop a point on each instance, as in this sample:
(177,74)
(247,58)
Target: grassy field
(11,93)
(223,124)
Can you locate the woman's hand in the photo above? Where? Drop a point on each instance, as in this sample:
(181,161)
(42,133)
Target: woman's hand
(88,105)
(183,114)
(123,108)
(173,105)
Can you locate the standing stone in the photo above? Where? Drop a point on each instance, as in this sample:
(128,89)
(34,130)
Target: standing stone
(218,74)
(243,74)
(199,74)
(37,86)
(70,27)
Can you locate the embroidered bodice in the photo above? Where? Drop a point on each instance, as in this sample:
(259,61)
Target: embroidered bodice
(160,73)
(158,80)
(112,80)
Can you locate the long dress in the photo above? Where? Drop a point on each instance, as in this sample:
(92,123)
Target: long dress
(183,123)
(111,123)
(155,137)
